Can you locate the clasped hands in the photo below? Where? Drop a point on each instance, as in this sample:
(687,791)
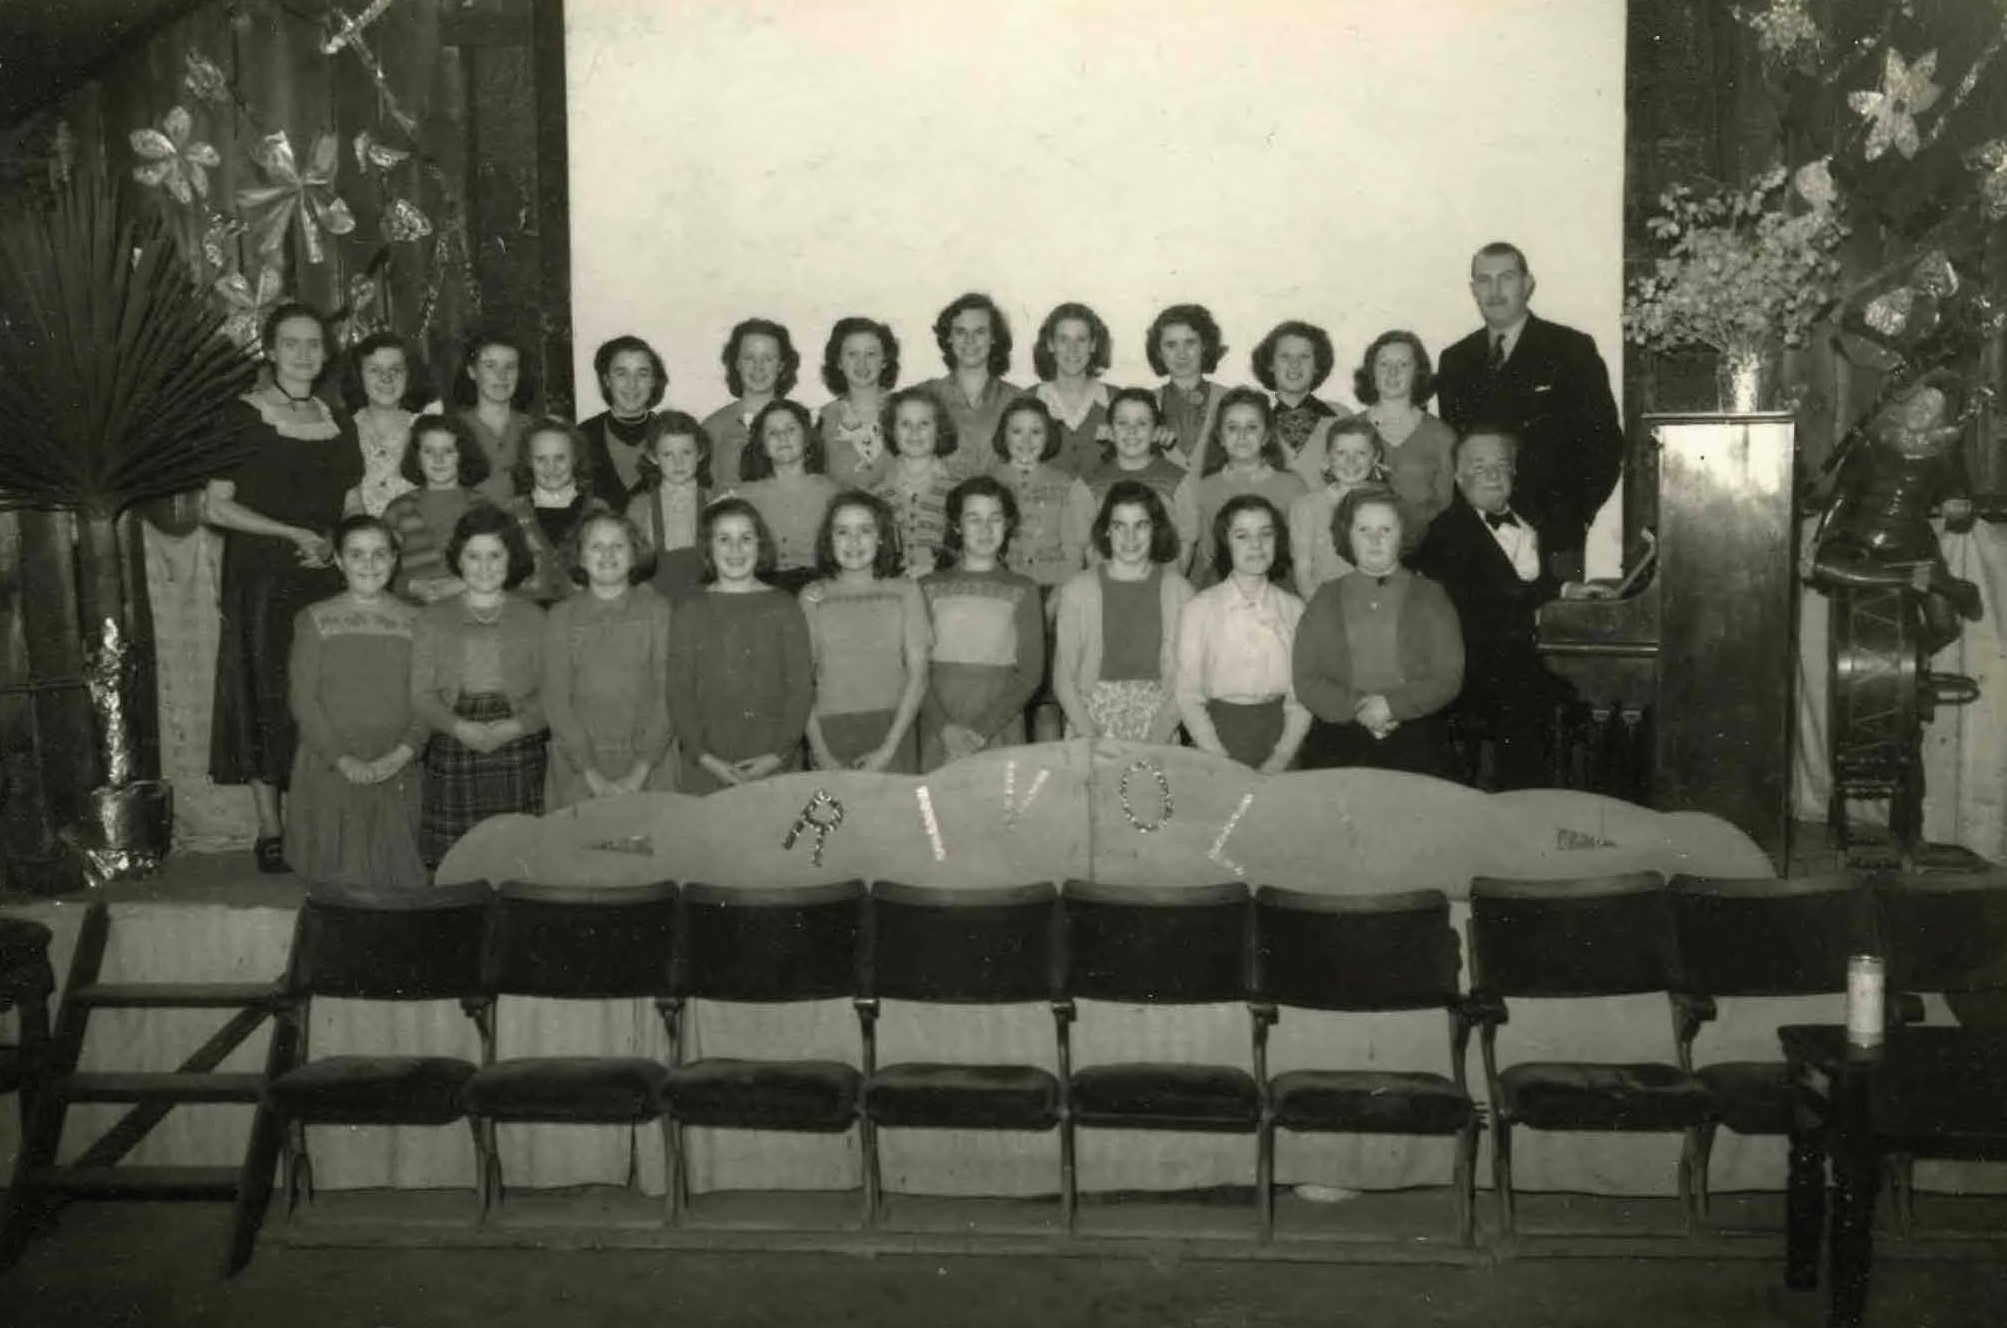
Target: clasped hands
(751,769)
(486,736)
(1373,714)
(358,771)
(312,550)
(602,787)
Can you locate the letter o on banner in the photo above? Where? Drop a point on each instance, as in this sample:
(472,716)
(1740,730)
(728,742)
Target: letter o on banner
(1163,795)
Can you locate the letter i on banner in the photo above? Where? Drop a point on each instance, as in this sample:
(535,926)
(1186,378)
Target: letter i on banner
(1218,851)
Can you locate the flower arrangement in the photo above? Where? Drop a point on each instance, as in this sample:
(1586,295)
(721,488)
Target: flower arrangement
(1743,269)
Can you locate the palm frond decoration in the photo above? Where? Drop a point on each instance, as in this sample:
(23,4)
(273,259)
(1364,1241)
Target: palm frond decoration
(115,383)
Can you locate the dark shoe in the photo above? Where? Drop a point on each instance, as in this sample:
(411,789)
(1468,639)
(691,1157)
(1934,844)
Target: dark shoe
(271,855)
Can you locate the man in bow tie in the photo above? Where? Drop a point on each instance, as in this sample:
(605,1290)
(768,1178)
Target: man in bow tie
(1547,385)
(1487,554)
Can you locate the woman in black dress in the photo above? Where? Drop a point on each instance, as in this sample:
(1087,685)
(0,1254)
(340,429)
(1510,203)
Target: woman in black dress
(278,507)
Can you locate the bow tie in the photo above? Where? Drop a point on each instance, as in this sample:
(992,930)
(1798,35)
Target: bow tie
(1497,519)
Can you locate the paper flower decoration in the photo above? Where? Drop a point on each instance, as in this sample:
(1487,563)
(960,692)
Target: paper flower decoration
(248,305)
(1906,92)
(171,158)
(403,221)
(220,231)
(307,196)
(369,152)
(204,81)
(1990,161)
(1814,183)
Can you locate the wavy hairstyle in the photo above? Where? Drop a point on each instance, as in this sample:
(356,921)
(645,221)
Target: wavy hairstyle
(474,466)
(1263,359)
(487,519)
(1026,405)
(640,561)
(946,437)
(417,379)
(888,562)
(832,352)
(790,358)
(1047,364)
(602,366)
(1347,511)
(674,424)
(1424,385)
(1214,449)
(465,395)
(707,525)
(524,474)
(1000,338)
(755,464)
(1278,570)
(978,486)
(1194,316)
(1135,493)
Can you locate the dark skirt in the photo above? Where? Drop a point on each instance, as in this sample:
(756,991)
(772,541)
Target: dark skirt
(851,736)
(464,787)
(1417,746)
(252,735)
(1248,732)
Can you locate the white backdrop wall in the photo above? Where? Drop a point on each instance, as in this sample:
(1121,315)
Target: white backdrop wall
(1336,160)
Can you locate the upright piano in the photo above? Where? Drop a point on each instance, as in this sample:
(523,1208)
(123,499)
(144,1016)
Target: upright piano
(1688,675)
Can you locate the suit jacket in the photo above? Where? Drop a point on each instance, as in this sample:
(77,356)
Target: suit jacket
(1494,606)
(1554,392)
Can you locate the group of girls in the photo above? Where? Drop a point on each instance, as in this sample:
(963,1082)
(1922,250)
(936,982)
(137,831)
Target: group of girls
(537,612)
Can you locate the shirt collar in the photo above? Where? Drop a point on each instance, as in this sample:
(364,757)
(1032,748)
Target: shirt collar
(1511,334)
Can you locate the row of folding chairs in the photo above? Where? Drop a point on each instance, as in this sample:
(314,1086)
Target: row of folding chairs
(1268,949)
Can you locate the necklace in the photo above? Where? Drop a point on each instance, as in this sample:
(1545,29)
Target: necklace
(485,617)
(297,401)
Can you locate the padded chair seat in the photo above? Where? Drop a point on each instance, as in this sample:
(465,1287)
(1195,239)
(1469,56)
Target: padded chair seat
(1750,1097)
(373,1090)
(1560,1095)
(1166,1097)
(993,1097)
(558,1089)
(766,1095)
(1369,1102)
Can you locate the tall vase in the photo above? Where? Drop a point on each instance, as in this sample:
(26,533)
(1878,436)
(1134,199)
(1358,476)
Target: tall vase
(1745,378)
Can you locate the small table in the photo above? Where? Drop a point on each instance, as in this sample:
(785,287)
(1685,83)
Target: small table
(1936,1091)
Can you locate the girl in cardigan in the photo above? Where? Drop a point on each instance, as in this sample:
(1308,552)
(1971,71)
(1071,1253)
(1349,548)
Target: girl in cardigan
(741,672)
(1293,361)
(1071,354)
(1379,653)
(1183,345)
(1115,670)
(975,343)
(491,392)
(784,479)
(675,482)
(554,487)
(916,486)
(1394,381)
(1354,460)
(1026,441)
(352,818)
(1235,691)
(632,379)
(1242,456)
(859,366)
(606,674)
(1133,452)
(870,633)
(989,635)
(446,464)
(477,682)
(761,363)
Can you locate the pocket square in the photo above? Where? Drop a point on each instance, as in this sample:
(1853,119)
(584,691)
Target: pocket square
(1543,387)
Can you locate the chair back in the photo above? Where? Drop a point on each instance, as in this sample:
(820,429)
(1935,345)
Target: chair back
(1766,937)
(1589,936)
(987,946)
(1355,952)
(770,943)
(391,945)
(592,944)
(1156,946)
(1945,933)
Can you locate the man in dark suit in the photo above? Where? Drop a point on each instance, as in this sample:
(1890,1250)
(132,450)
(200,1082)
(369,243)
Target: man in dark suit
(1547,385)
(1487,555)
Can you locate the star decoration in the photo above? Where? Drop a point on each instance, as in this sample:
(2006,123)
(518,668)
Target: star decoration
(248,305)
(173,159)
(308,196)
(1906,92)
(1989,160)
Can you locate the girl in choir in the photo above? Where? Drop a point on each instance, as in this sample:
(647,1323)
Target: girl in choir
(1183,345)
(1379,654)
(1115,669)
(669,500)
(1026,441)
(445,465)
(761,364)
(606,674)
(1394,382)
(1354,459)
(554,488)
(1236,693)
(859,366)
(1071,355)
(632,379)
(975,342)
(870,634)
(1292,362)
(491,393)
(784,479)
(1242,456)
(741,671)
(477,668)
(352,813)
(1134,452)
(989,633)
(916,485)
(384,389)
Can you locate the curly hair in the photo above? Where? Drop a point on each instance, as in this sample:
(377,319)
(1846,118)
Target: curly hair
(832,352)
(755,464)
(1419,391)
(1279,569)
(946,437)
(1141,396)
(1194,316)
(674,424)
(1263,359)
(417,381)
(1214,449)
(640,564)
(486,519)
(978,486)
(1000,338)
(474,465)
(707,526)
(1135,493)
(790,358)
(524,474)
(602,365)
(1046,364)
(888,562)
(1026,405)
(465,395)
